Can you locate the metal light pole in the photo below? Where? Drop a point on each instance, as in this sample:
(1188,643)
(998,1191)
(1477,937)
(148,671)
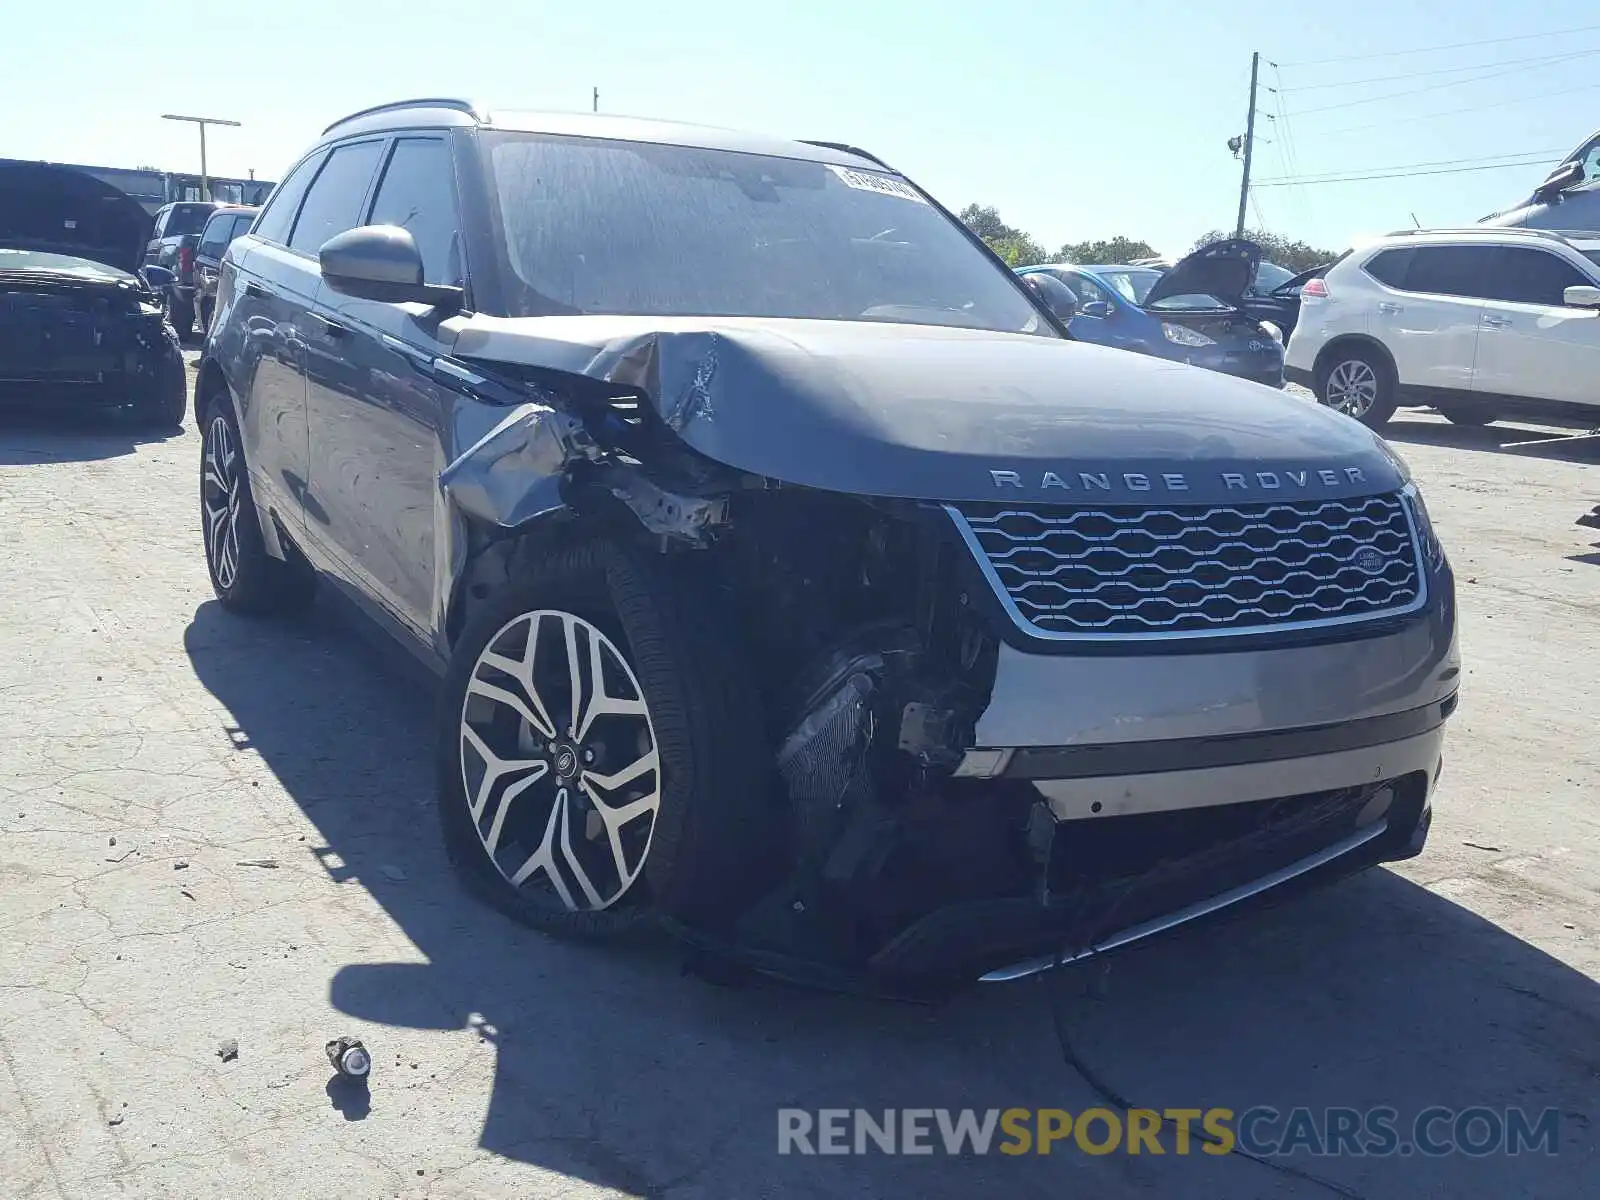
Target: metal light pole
(205,180)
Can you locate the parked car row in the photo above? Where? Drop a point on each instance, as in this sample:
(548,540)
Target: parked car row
(796,578)
(186,241)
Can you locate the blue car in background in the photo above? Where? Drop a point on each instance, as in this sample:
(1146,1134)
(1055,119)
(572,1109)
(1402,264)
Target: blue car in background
(1193,313)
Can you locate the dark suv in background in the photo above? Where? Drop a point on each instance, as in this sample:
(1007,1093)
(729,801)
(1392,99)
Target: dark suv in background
(224,225)
(794,578)
(173,240)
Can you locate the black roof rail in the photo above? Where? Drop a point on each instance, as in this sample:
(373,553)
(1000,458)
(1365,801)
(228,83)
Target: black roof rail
(459,105)
(847,149)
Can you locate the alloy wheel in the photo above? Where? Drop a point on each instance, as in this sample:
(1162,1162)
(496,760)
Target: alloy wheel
(1353,387)
(221,498)
(559,761)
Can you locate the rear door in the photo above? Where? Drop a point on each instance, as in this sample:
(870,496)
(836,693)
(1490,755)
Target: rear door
(152,248)
(1428,314)
(1532,344)
(377,412)
(261,307)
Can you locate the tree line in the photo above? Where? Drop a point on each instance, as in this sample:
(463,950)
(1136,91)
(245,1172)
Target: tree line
(1020,249)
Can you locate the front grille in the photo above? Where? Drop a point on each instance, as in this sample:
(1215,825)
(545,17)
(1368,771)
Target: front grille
(1193,571)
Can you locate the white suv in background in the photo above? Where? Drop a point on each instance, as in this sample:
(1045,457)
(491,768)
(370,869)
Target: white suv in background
(1479,323)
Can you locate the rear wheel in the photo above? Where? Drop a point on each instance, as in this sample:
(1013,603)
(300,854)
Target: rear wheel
(1470,415)
(181,314)
(207,307)
(1359,383)
(244,576)
(601,751)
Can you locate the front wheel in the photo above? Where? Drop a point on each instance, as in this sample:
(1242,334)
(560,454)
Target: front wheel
(602,757)
(1360,384)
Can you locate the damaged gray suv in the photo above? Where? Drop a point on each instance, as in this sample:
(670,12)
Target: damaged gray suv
(796,582)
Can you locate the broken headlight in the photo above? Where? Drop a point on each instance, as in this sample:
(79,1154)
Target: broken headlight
(1432,549)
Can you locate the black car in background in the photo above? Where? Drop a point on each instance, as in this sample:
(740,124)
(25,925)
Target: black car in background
(225,224)
(79,328)
(172,244)
(1274,295)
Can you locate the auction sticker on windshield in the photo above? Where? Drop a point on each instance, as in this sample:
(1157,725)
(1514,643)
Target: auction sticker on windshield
(871,181)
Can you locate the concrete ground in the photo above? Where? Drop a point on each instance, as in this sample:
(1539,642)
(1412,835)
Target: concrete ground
(219,830)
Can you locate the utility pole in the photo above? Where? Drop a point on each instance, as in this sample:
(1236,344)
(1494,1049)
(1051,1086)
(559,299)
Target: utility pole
(205,179)
(1249,143)
(597,100)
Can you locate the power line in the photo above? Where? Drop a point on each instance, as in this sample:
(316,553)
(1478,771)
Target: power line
(1519,37)
(1391,175)
(1540,58)
(1450,112)
(1433,87)
(1535,155)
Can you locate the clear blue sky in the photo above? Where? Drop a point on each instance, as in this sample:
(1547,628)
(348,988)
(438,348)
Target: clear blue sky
(1076,119)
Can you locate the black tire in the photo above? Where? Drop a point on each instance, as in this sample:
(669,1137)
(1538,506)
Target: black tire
(254,583)
(169,402)
(711,848)
(1358,363)
(207,308)
(1472,416)
(180,313)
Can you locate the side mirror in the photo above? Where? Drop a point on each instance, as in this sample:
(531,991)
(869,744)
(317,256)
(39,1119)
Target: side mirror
(1097,308)
(381,262)
(1582,296)
(157,279)
(1560,180)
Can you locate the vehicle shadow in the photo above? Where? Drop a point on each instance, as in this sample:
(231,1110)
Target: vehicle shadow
(1499,438)
(615,1067)
(29,438)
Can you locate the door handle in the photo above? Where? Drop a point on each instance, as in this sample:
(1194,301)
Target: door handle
(1496,322)
(252,288)
(329,328)
(1388,308)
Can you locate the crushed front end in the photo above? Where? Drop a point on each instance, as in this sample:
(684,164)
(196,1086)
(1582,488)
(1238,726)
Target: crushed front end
(1014,735)
(82,341)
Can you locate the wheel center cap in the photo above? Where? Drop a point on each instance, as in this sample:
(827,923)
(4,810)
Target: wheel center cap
(566,762)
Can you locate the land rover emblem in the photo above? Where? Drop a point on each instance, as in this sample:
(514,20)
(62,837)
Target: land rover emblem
(1368,560)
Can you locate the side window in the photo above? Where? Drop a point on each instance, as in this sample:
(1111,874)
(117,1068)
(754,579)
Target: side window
(416,194)
(1452,270)
(1529,276)
(1591,161)
(241,226)
(278,216)
(333,204)
(159,228)
(218,233)
(1391,266)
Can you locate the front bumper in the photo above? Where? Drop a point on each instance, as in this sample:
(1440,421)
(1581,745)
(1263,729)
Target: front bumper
(1168,786)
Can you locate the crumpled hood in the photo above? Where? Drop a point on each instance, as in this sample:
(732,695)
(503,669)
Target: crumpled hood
(937,413)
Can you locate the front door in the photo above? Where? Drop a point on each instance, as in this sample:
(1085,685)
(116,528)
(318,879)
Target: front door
(1532,344)
(377,414)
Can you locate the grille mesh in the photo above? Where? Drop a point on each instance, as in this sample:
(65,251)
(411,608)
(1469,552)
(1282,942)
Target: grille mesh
(1129,571)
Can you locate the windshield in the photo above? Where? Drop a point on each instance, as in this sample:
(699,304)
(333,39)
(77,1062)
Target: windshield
(38,260)
(188,218)
(1593,256)
(1134,283)
(1270,276)
(594,226)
